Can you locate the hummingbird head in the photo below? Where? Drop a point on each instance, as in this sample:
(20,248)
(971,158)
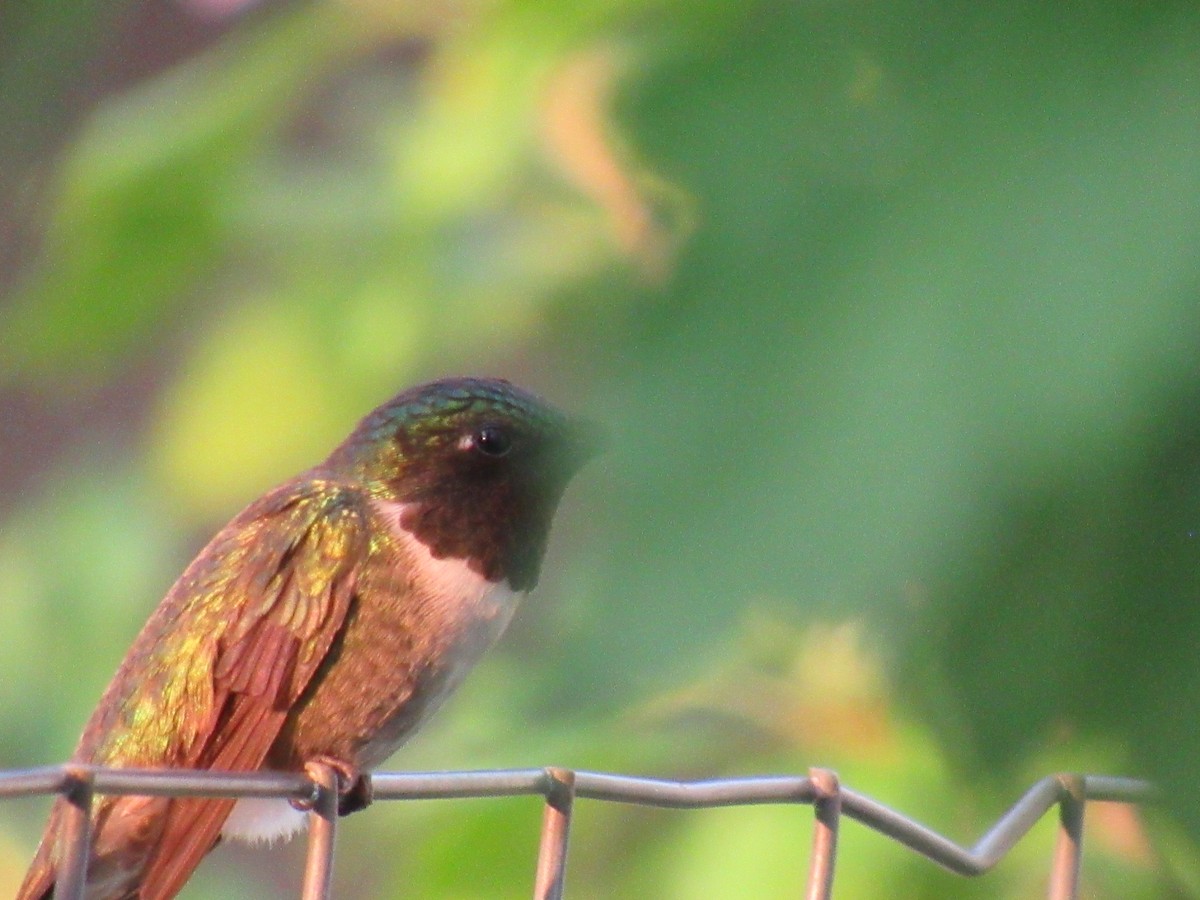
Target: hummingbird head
(479,466)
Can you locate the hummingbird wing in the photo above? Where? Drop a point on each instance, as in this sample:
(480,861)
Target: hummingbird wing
(211,678)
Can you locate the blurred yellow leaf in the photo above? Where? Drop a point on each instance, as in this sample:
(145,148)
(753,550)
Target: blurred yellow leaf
(255,404)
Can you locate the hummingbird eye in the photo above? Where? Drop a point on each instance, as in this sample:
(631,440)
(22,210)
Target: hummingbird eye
(491,440)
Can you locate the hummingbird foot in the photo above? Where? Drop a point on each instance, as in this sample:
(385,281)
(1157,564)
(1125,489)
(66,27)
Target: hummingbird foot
(353,785)
(357,796)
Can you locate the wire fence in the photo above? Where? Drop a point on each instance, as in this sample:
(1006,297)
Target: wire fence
(820,789)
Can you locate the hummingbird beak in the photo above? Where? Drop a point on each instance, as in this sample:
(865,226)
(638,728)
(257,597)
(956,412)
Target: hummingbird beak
(585,441)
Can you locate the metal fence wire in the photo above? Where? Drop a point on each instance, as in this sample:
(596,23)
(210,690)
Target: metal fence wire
(820,789)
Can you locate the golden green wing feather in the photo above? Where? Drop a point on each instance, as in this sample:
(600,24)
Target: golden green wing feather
(210,678)
(285,562)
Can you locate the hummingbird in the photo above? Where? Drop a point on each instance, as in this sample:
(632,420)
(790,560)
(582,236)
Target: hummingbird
(324,623)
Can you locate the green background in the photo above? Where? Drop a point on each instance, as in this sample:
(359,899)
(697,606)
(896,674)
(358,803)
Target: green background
(893,310)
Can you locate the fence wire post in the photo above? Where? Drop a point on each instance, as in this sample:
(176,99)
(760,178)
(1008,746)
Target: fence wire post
(556,828)
(1068,849)
(827,809)
(75,838)
(322,828)
(76,784)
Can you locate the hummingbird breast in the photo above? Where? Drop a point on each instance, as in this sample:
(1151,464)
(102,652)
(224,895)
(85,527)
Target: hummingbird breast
(416,626)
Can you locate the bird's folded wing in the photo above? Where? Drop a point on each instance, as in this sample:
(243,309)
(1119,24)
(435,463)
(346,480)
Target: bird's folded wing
(297,584)
(210,679)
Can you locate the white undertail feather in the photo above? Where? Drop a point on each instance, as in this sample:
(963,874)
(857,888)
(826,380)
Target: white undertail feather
(263,820)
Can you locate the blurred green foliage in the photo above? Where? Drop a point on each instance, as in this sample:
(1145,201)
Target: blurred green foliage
(893,310)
